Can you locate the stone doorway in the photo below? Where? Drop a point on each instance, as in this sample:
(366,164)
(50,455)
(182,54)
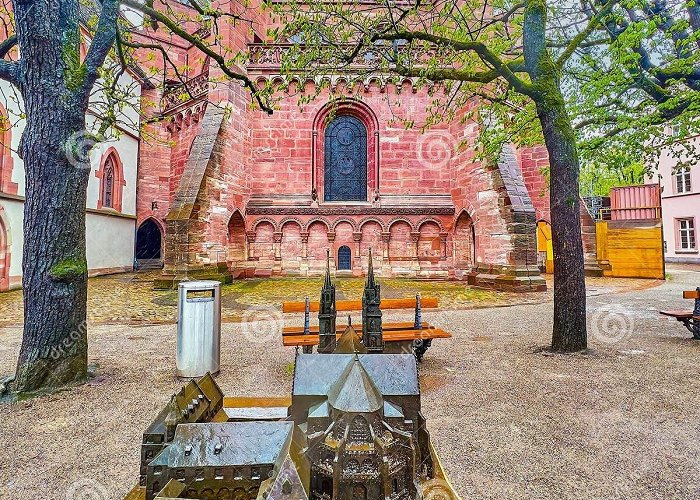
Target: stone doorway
(148,245)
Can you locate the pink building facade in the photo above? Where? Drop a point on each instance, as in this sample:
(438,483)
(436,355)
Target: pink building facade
(680,202)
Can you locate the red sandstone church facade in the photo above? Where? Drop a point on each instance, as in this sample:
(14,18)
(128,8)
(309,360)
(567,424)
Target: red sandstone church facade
(229,187)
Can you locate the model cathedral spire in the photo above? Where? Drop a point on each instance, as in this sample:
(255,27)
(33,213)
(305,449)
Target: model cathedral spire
(371,313)
(327,312)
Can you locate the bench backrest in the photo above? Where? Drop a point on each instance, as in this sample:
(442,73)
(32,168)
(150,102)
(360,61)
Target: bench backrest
(694,294)
(356,305)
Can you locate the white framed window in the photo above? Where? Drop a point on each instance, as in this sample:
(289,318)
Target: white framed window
(686,234)
(682,177)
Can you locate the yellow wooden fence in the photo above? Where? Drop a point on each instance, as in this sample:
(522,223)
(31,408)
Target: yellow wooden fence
(630,248)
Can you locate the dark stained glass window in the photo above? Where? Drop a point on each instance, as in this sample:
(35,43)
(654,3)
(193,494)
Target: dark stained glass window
(344,258)
(108,186)
(345,174)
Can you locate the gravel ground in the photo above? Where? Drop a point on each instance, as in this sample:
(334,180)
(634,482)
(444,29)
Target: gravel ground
(508,420)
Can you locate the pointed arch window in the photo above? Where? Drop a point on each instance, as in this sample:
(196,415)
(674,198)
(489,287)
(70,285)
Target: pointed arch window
(345,173)
(108,183)
(111,175)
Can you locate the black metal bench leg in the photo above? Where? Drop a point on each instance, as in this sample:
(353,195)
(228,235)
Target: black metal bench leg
(420,347)
(693,326)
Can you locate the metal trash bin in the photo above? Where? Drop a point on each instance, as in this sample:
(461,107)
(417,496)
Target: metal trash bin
(198,328)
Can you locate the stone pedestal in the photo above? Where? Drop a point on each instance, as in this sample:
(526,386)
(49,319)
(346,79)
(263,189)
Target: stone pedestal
(507,278)
(215,272)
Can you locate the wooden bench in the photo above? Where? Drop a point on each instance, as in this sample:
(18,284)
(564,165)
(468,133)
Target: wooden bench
(690,319)
(398,337)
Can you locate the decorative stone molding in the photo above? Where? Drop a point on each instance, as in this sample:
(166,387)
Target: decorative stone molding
(349,210)
(335,223)
(261,220)
(313,221)
(191,90)
(292,220)
(434,221)
(372,219)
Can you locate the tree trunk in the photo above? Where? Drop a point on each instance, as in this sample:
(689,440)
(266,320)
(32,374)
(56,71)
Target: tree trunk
(569,331)
(54,149)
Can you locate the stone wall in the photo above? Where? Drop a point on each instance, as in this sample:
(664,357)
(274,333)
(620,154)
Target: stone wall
(248,193)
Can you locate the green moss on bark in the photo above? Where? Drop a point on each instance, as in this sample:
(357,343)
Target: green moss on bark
(68,270)
(75,71)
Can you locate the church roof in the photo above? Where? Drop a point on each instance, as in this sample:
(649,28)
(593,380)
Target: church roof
(391,374)
(354,392)
(349,343)
(227,444)
(320,410)
(391,410)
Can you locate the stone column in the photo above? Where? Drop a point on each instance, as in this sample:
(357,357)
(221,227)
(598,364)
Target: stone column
(277,245)
(277,248)
(250,247)
(304,264)
(386,265)
(415,266)
(357,261)
(331,239)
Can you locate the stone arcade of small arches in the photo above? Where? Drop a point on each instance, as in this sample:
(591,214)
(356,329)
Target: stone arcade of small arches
(401,245)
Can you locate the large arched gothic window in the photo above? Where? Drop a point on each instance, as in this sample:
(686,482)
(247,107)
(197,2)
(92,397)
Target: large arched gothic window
(345,163)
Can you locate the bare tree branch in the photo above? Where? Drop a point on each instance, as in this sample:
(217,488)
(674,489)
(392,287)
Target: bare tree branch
(7,45)
(197,42)
(101,44)
(593,24)
(501,67)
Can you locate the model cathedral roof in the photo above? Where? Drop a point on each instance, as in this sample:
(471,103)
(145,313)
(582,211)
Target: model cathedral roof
(354,428)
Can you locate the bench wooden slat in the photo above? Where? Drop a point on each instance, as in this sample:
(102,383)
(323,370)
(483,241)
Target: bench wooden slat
(402,325)
(679,315)
(356,305)
(390,336)
(691,294)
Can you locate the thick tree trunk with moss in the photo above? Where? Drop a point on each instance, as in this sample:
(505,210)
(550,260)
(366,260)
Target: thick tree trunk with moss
(569,331)
(55,86)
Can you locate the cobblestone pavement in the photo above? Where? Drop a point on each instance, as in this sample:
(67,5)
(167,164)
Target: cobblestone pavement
(508,419)
(130,299)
